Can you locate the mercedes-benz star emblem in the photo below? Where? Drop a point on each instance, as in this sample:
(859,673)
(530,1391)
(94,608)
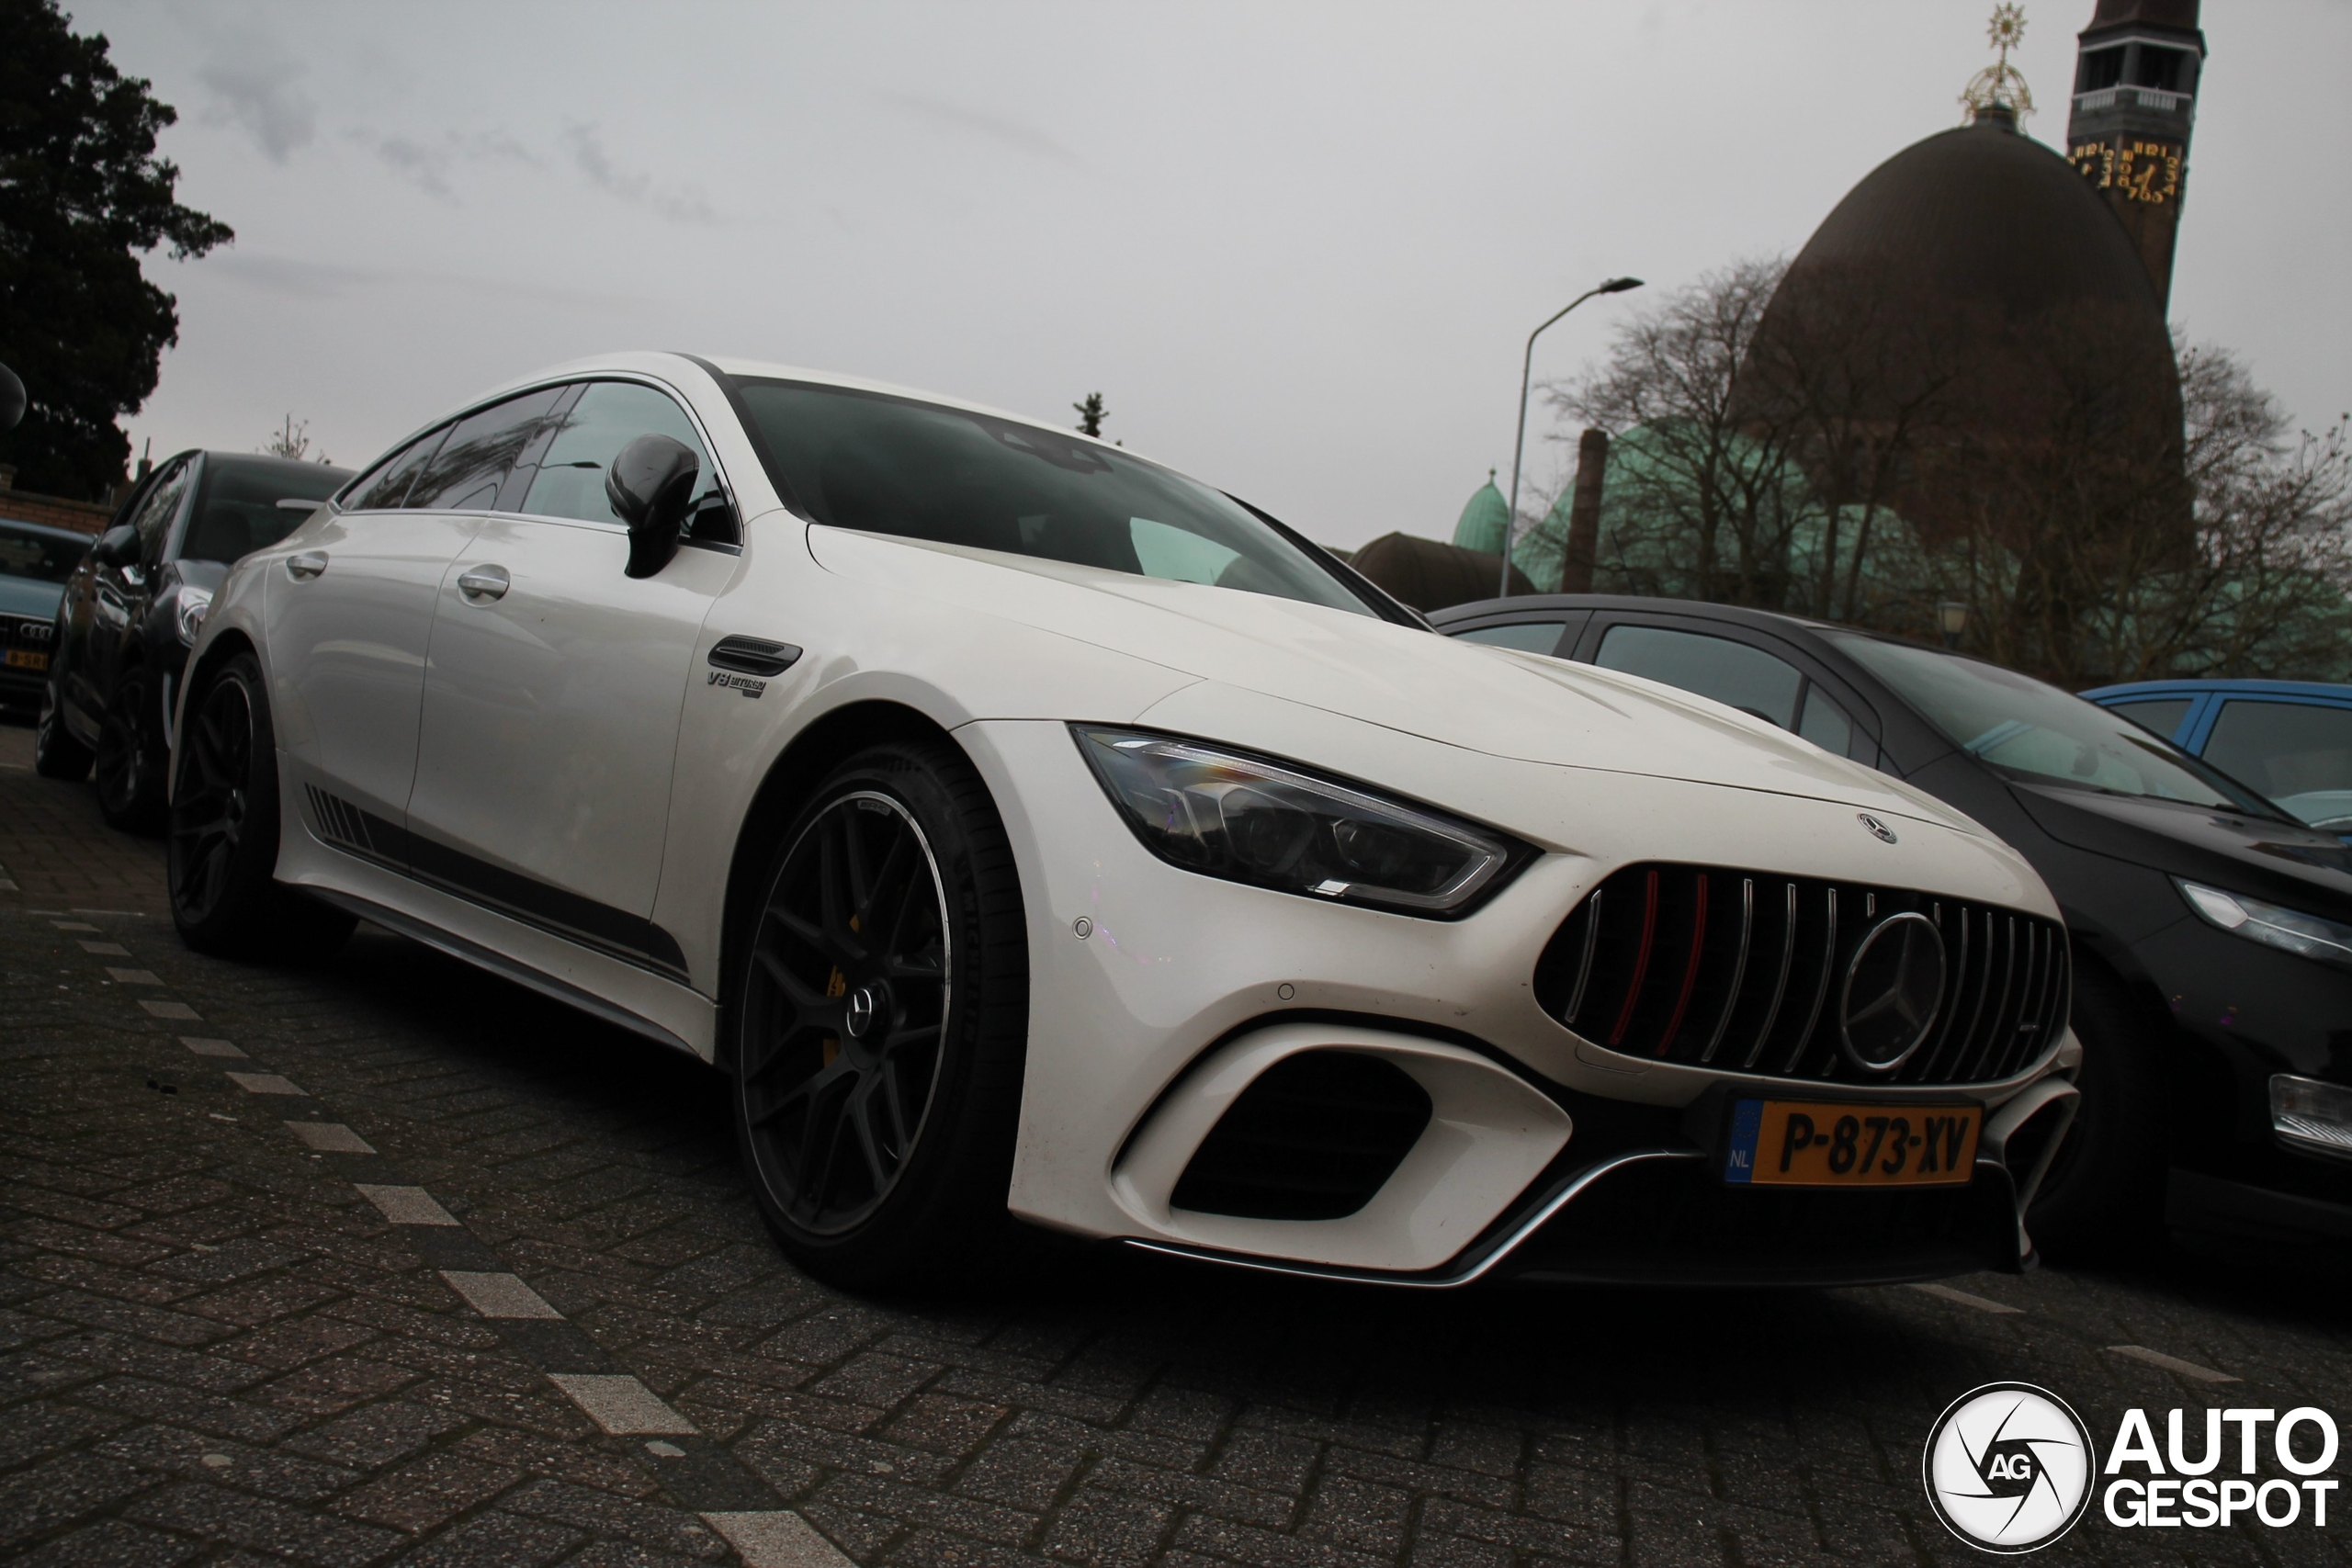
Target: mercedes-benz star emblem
(1875,825)
(2009,1467)
(1894,984)
(859,1016)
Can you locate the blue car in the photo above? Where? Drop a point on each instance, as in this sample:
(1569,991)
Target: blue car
(35,561)
(2291,740)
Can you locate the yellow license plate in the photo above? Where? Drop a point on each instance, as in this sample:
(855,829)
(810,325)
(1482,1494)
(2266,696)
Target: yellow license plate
(26,659)
(1803,1142)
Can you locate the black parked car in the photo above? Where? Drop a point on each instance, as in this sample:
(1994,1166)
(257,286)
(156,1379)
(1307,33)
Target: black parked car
(132,608)
(35,561)
(2211,932)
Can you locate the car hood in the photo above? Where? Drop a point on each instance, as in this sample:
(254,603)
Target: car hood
(30,597)
(2295,865)
(1482,699)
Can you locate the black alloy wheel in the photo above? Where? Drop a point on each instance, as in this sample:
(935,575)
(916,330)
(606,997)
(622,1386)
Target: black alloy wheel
(56,755)
(881,1023)
(129,771)
(224,842)
(853,976)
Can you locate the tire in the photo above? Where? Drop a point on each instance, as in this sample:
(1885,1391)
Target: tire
(224,822)
(2104,1195)
(130,762)
(877,1083)
(56,755)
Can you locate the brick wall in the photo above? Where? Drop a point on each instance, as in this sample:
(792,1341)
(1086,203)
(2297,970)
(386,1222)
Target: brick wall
(85,516)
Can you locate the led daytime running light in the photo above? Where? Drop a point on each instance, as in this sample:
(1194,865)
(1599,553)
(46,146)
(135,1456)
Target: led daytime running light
(2306,936)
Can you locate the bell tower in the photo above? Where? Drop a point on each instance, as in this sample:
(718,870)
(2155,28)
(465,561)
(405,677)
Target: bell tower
(2136,74)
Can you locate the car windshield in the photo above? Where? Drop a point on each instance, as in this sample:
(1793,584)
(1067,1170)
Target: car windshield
(237,508)
(889,465)
(2023,726)
(39,554)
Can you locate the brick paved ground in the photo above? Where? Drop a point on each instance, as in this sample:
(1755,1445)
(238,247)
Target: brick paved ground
(214,1348)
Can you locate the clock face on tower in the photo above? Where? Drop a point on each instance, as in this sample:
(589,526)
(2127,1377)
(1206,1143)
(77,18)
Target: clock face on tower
(2148,171)
(2095,161)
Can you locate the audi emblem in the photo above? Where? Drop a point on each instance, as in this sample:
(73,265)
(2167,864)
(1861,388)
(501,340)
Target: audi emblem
(35,631)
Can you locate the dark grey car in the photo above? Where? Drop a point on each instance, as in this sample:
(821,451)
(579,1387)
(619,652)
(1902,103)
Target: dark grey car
(132,608)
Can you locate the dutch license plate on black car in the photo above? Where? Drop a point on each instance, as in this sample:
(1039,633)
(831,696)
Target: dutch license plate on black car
(1803,1142)
(26,659)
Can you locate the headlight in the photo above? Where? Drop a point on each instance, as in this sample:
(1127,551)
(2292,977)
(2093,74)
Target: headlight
(189,614)
(2307,936)
(1224,814)
(2311,1114)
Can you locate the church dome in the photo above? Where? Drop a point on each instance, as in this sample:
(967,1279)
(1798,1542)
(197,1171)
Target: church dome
(1976,283)
(1484,518)
(1989,214)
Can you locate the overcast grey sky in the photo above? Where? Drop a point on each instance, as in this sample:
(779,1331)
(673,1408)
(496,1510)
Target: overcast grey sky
(1297,246)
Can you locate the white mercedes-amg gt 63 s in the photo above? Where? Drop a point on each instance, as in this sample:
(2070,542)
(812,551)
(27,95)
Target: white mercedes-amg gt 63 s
(1035,834)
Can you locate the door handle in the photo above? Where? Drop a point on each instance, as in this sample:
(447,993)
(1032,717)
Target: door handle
(484,583)
(306,566)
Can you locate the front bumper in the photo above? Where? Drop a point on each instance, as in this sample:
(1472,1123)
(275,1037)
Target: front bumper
(1157,994)
(1656,1212)
(2241,1012)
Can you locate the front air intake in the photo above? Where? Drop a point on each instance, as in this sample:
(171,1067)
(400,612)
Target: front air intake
(1795,978)
(1312,1138)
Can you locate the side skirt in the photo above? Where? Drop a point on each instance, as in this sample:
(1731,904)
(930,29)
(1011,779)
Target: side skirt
(499,964)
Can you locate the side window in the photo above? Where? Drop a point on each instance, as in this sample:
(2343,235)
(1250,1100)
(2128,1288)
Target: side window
(2160,716)
(2299,754)
(1731,672)
(466,473)
(608,416)
(155,514)
(385,486)
(1826,723)
(1528,637)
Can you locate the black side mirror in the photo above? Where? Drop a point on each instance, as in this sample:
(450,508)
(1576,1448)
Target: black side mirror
(651,485)
(116,547)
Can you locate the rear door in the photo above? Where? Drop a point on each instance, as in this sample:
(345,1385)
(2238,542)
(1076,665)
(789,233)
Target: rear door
(1737,665)
(551,708)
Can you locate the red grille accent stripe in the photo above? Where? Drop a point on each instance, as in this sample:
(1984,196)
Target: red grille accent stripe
(1642,960)
(1690,969)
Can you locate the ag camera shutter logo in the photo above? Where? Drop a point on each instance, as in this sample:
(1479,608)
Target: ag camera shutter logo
(2009,1467)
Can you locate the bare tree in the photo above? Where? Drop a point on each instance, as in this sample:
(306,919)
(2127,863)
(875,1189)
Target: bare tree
(2110,507)
(2229,554)
(1704,495)
(292,441)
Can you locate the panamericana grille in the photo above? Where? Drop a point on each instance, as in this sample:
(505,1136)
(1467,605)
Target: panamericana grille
(1743,970)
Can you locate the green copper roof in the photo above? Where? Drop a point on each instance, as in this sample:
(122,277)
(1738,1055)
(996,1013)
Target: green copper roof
(1483,519)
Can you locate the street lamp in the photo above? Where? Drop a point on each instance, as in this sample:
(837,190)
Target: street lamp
(1519,442)
(1953,614)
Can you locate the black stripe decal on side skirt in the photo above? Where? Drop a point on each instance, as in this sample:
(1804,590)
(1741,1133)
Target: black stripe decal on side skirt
(613,932)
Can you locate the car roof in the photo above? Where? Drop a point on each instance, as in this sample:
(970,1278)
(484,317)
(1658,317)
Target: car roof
(1763,620)
(263,462)
(2320,689)
(668,363)
(46,530)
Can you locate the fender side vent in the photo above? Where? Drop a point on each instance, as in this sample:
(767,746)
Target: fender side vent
(1313,1139)
(753,656)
